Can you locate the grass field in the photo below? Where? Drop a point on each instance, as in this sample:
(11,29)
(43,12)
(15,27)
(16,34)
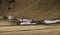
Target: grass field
(30,30)
(33,9)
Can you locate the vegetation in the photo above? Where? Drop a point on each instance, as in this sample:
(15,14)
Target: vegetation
(35,9)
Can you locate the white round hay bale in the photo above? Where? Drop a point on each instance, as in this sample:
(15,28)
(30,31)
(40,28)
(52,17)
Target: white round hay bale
(10,17)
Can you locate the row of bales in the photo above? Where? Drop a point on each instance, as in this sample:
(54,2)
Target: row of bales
(27,21)
(19,21)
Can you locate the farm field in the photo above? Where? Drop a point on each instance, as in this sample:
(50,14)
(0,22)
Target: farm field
(30,30)
(33,9)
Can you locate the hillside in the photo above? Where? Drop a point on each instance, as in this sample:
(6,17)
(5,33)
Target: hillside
(34,9)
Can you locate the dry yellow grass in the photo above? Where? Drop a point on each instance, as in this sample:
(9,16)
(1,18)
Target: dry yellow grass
(30,30)
(35,9)
(3,22)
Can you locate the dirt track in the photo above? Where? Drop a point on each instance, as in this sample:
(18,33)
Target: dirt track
(30,30)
